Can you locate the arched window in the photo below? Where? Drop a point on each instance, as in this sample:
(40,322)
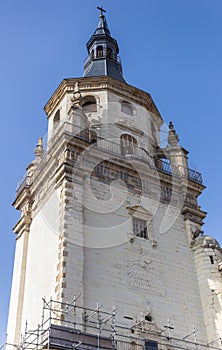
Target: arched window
(128,144)
(109,52)
(99,51)
(56,118)
(92,54)
(126,107)
(89,104)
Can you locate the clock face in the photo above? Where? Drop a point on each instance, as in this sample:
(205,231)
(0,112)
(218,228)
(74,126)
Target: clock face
(143,271)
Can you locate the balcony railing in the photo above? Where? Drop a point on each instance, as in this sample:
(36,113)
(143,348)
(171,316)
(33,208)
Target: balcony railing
(195,176)
(166,167)
(23,183)
(98,143)
(89,136)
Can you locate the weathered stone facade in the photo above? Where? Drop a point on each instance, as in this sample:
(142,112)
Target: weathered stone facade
(103,175)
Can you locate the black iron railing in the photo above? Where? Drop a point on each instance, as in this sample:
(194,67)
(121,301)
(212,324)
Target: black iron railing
(195,176)
(166,167)
(23,183)
(137,153)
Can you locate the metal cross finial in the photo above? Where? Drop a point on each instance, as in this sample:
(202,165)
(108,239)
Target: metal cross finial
(101,10)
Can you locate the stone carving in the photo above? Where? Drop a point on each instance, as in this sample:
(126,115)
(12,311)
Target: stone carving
(205,241)
(220,266)
(76,97)
(143,272)
(39,151)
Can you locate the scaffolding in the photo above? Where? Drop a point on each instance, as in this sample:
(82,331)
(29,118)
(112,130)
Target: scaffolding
(69,326)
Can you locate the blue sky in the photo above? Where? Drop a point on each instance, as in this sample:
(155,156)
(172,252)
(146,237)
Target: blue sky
(172,49)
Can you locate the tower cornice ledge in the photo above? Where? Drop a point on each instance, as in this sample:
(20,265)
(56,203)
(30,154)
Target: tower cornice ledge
(108,83)
(196,215)
(23,197)
(22,225)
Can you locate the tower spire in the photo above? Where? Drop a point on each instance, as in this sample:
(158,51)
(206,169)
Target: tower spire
(102,49)
(102,26)
(101,11)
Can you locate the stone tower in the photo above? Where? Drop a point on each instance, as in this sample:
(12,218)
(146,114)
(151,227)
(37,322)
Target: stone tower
(108,216)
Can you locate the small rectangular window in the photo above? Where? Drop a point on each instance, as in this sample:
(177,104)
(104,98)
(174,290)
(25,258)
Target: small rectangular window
(151,345)
(140,228)
(211,259)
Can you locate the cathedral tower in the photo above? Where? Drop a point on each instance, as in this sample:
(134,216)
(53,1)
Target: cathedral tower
(110,218)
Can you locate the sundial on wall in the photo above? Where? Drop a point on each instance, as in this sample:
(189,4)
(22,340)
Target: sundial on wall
(143,271)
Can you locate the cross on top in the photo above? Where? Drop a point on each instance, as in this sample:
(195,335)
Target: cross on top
(101,10)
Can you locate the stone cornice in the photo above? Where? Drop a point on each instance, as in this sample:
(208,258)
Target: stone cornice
(91,84)
(134,209)
(127,126)
(193,214)
(24,197)
(195,186)
(23,224)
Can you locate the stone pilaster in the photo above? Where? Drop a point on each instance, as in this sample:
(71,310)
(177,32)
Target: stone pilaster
(23,202)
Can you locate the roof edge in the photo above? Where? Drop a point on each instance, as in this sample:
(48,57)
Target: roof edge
(102,82)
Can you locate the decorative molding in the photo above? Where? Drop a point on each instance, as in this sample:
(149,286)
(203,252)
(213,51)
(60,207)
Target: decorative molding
(139,210)
(142,213)
(143,272)
(23,225)
(146,326)
(102,83)
(124,125)
(193,214)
